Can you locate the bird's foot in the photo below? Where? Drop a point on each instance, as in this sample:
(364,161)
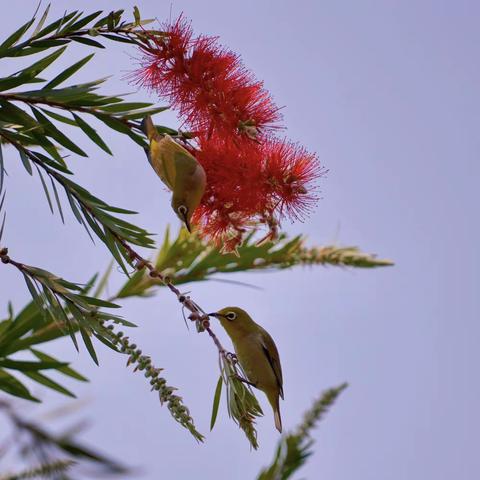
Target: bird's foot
(244,380)
(232,357)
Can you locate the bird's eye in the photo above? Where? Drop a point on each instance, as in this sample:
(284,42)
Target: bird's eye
(231,316)
(182,209)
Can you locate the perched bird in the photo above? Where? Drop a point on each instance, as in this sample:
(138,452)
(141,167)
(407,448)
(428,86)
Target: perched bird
(257,354)
(178,169)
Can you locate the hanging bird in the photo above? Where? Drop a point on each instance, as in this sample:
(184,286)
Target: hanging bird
(257,354)
(178,169)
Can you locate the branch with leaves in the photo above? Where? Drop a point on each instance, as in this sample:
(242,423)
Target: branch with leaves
(62,308)
(294,448)
(49,454)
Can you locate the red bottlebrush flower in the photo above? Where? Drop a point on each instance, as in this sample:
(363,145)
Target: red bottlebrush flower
(207,83)
(253,184)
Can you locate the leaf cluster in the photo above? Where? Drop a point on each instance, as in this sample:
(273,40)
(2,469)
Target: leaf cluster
(189,258)
(53,453)
(242,405)
(29,119)
(294,448)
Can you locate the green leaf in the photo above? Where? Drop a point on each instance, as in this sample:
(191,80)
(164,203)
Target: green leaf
(26,162)
(102,284)
(9,384)
(48,382)
(121,127)
(88,344)
(30,366)
(16,80)
(91,133)
(57,199)
(125,107)
(97,302)
(136,15)
(60,118)
(15,36)
(74,208)
(56,134)
(87,41)
(42,64)
(54,25)
(45,189)
(50,332)
(42,21)
(144,112)
(84,21)
(216,402)
(11,113)
(117,38)
(67,73)
(111,244)
(65,370)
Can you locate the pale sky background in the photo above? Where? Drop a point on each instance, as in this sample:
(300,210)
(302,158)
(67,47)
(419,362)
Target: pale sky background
(387,93)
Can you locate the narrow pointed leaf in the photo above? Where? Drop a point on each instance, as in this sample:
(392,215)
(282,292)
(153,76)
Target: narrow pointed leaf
(15,36)
(57,199)
(84,21)
(56,134)
(216,402)
(67,73)
(9,384)
(54,25)
(45,189)
(34,69)
(65,370)
(87,41)
(88,344)
(41,23)
(92,134)
(48,382)
(59,117)
(30,366)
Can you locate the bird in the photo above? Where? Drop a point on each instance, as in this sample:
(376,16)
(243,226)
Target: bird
(178,169)
(257,354)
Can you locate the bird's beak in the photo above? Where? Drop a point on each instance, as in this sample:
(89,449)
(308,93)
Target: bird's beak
(214,314)
(187,223)
(143,126)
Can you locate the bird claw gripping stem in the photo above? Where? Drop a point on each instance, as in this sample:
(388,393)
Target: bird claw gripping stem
(231,357)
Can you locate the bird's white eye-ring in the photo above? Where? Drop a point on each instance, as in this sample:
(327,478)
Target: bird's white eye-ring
(231,316)
(182,210)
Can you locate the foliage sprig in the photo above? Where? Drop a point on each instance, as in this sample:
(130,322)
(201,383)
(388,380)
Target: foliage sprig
(294,448)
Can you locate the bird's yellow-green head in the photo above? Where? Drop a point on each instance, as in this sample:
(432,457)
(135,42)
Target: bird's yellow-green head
(186,200)
(235,321)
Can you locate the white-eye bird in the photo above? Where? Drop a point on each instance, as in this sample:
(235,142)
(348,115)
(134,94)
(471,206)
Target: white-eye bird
(178,169)
(257,353)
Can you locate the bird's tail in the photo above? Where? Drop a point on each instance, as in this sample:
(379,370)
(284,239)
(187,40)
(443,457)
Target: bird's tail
(275,403)
(278,419)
